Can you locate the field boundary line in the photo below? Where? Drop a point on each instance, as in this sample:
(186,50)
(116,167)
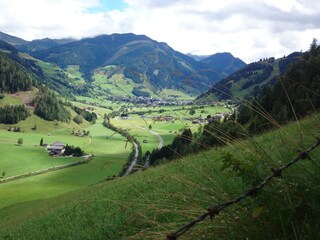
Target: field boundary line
(86,159)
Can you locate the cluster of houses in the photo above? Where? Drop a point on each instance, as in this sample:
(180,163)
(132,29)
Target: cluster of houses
(151,101)
(218,117)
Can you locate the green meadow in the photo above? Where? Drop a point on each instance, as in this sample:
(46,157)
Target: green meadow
(109,150)
(166,129)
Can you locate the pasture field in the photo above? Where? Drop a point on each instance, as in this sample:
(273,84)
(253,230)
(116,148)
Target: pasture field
(109,152)
(180,111)
(166,129)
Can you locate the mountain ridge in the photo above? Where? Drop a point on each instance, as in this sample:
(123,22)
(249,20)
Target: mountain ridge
(153,65)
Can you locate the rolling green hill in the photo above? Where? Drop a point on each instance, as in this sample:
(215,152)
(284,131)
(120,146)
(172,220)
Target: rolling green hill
(249,80)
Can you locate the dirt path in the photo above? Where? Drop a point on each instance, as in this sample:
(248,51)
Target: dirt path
(90,141)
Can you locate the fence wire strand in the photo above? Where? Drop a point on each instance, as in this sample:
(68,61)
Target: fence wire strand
(214,210)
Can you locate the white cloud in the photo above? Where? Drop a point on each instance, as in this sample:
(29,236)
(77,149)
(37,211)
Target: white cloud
(249,29)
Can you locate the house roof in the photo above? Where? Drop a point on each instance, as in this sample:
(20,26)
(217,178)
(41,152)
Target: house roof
(57,143)
(51,148)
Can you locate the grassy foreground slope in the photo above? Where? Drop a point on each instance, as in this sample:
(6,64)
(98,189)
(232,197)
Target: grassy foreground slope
(150,204)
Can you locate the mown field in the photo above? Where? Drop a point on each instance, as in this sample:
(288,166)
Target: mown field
(153,203)
(109,153)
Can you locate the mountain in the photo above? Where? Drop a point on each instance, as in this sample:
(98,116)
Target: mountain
(4,46)
(197,57)
(49,74)
(146,62)
(152,66)
(11,39)
(129,64)
(34,45)
(42,44)
(250,79)
(223,62)
(294,96)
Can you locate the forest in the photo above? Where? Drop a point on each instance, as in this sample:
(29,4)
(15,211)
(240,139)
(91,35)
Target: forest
(12,76)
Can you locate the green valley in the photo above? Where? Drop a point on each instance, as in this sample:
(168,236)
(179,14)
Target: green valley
(104,138)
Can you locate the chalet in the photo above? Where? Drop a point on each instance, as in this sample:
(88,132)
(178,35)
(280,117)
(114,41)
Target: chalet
(198,120)
(55,149)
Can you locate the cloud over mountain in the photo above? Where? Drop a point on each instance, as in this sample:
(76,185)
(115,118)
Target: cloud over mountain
(249,29)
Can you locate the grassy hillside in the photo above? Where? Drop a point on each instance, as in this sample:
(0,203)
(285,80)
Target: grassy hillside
(150,204)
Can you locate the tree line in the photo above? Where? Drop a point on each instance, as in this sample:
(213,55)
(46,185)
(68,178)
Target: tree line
(13,114)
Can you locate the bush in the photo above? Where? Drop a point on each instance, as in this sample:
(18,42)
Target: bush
(20,141)
(78,119)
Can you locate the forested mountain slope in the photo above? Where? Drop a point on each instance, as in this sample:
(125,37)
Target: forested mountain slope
(250,80)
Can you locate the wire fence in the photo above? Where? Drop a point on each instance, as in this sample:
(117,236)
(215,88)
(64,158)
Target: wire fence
(214,210)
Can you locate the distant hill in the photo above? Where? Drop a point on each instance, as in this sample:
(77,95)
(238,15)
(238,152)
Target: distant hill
(197,57)
(11,39)
(250,79)
(42,44)
(224,62)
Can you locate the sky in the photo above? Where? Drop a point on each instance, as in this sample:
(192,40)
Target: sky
(249,29)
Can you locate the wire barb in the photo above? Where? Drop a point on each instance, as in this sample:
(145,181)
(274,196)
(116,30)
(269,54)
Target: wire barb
(276,172)
(214,210)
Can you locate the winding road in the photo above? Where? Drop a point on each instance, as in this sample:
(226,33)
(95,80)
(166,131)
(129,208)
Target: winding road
(160,145)
(135,159)
(136,155)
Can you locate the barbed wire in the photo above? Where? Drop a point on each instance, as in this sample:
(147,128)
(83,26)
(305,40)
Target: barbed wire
(214,210)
